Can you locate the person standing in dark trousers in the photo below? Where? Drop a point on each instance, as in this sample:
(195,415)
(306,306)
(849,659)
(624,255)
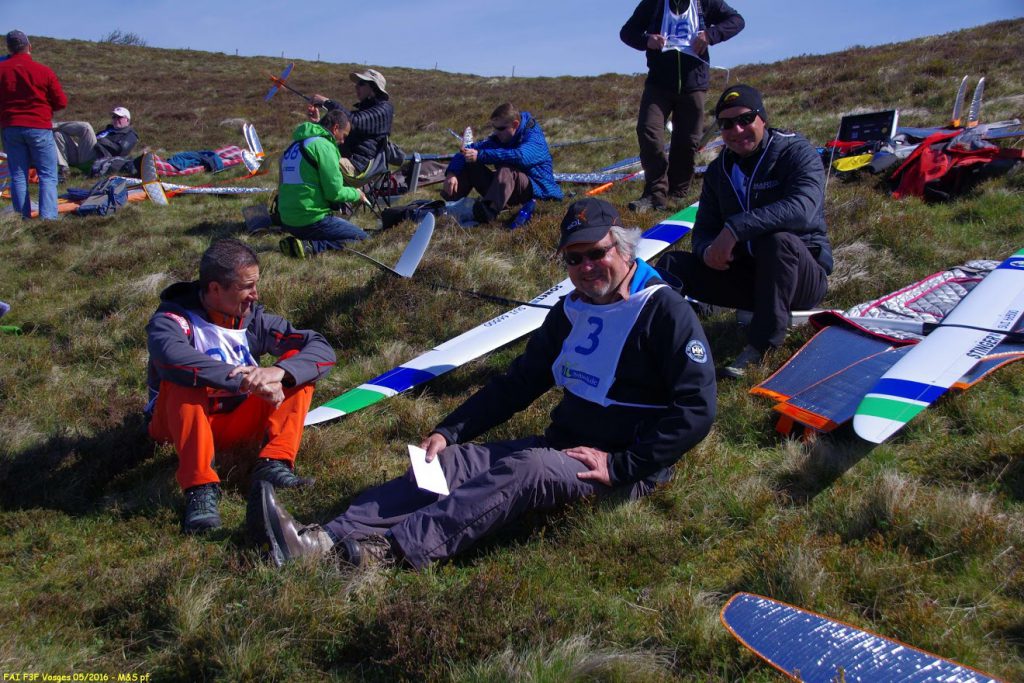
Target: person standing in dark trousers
(760,241)
(675,35)
(30,94)
(638,392)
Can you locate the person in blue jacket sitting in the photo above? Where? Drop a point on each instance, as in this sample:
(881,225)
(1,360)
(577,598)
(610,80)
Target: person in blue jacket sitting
(521,161)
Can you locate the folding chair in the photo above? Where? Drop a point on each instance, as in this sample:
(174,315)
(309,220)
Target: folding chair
(376,182)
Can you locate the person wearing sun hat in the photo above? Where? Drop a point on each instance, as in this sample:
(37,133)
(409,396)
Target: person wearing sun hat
(638,392)
(371,118)
(760,242)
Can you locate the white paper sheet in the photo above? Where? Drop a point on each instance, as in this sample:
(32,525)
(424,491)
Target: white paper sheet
(429,475)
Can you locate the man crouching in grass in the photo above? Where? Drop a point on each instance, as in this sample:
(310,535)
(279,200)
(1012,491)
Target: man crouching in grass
(207,389)
(638,392)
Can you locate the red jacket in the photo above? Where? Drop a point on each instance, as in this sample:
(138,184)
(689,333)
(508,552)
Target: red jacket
(29,93)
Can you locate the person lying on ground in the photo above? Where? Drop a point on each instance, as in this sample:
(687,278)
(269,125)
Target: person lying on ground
(79,145)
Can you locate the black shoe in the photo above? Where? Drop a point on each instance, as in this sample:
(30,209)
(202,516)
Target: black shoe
(286,538)
(372,551)
(201,508)
(279,474)
(737,369)
(645,204)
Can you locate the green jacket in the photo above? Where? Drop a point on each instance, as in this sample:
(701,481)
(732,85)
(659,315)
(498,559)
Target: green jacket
(307,193)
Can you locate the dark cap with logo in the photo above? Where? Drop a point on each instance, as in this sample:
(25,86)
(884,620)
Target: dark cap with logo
(16,41)
(741,95)
(587,220)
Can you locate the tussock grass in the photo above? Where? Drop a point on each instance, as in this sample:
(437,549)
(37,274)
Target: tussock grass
(921,538)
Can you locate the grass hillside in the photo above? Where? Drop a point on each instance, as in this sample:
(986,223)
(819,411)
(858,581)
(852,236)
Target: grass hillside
(921,538)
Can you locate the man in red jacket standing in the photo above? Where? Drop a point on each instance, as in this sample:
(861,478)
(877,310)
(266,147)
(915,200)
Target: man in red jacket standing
(29,95)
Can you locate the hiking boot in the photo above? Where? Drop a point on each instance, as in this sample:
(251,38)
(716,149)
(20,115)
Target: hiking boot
(287,539)
(279,474)
(645,204)
(737,369)
(290,246)
(372,551)
(201,508)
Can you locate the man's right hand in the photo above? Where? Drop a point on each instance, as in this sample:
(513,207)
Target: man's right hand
(433,444)
(451,185)
(318,100)
(312,113)
(655,41)
(718,255)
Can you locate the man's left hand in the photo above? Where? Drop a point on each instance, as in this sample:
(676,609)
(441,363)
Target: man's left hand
(699,42)
(596,462)
(470,154)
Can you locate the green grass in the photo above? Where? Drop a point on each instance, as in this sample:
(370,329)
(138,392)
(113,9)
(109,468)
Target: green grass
(921,538)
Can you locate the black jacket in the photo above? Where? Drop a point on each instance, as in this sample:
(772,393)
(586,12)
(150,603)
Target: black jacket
(655,367)
(371,125)
(674,70)
(115,142)
(787,193)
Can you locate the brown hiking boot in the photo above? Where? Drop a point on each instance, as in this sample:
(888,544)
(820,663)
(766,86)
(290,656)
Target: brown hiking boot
(286,538)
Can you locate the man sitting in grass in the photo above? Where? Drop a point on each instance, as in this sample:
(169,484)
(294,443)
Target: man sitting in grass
(312,187)
(207,389)
(522,169)
(638,392)
(760,242)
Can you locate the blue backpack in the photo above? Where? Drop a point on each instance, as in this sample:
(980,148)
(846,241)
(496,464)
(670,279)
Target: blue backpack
(105,197)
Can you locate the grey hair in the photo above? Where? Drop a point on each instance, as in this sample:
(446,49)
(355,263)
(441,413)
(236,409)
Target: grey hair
(626,240)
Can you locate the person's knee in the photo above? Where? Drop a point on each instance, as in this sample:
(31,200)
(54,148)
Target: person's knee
(776,244)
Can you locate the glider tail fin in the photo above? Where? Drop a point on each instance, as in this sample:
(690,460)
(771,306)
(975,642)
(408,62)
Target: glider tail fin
(958,104)
(974,114)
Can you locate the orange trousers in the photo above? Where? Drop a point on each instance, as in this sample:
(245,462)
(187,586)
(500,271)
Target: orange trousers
(182,416)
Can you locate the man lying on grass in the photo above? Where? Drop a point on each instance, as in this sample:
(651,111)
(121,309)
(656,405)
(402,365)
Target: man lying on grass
(207,389)
(638,392)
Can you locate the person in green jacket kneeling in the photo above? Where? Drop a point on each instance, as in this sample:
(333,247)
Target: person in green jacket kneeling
(311,188)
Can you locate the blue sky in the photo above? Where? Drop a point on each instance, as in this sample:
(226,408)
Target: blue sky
(529,37)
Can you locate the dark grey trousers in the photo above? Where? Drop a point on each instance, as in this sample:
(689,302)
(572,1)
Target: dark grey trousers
(780,276)
(498,188)
(491,484)
(669,175)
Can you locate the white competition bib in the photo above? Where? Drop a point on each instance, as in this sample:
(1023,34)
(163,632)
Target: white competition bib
(227,346)
(290,162)
(680,29)
(590,354)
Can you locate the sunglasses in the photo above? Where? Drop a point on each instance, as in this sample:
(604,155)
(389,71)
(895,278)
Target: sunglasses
(744,119)
(575,258)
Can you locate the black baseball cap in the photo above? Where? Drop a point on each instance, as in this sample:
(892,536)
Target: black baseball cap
(741,95)
(587,220)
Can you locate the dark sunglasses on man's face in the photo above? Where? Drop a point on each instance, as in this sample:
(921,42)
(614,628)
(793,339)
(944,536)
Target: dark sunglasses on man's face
(744,119)
(575,258)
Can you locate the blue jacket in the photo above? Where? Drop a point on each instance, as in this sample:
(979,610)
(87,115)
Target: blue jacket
(527,151)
